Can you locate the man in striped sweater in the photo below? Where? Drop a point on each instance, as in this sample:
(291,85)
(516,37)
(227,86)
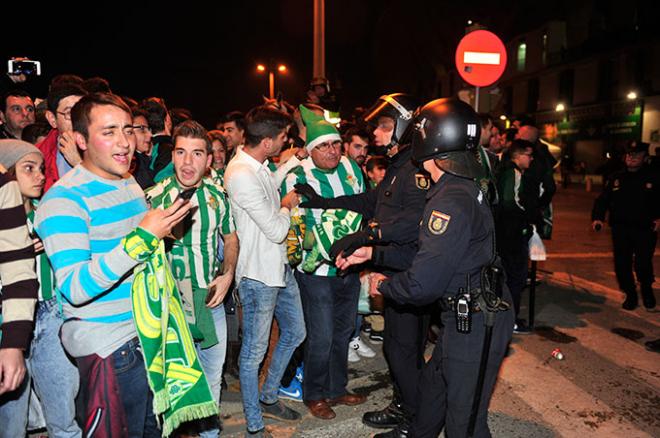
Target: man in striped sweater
(329,301)
(19,286)
(96,229)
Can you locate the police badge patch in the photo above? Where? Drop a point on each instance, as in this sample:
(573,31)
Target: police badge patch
(438,222)
(422,181)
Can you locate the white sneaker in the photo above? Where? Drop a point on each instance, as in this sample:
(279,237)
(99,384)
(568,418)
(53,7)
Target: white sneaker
(352,354)
(361,347)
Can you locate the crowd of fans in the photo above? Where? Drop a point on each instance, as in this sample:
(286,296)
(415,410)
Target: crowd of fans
(210,224)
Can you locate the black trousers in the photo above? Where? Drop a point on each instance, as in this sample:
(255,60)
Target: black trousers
(633,247)
(515,256)
(448,382)
(406,328)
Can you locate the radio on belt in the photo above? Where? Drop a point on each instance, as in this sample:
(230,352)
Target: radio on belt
(463,314)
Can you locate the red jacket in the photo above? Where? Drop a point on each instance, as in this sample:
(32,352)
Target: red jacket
(48,148)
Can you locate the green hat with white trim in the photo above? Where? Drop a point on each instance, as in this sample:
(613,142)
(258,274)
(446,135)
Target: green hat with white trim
(318,129)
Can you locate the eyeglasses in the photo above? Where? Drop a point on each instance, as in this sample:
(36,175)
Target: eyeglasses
(326,145)
(142,128)
(65,114)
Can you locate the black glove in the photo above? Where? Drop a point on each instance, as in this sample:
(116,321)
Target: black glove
(349,243)
(313,199)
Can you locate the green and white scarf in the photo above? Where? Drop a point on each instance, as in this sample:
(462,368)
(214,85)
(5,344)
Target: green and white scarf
(181,391)
(335,224)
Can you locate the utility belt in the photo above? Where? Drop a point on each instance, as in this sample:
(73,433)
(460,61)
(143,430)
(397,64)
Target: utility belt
(475,301)
(486,299)
(448,304)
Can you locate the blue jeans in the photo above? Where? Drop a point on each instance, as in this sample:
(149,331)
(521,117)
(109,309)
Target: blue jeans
(330,305)
(358,326)
(260,303)
(54,377)
(213,359)
(134,391)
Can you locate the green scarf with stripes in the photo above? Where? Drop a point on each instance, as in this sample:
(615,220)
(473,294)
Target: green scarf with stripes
(181,391)
(335,224)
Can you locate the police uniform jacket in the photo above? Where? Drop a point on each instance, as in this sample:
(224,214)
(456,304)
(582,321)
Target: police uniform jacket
(632,198)
(396,204)
(455,240)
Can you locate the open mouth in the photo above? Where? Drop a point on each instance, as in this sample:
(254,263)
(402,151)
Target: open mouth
(121,158)
(187,173)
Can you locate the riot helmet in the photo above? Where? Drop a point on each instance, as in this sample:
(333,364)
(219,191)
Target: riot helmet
(448,130)
(398,106)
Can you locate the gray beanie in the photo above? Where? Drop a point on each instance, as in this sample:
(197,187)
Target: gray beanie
(13,150)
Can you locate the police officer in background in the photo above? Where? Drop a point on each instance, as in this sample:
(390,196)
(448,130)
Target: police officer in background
(394,210)
(632,197)
(456,255)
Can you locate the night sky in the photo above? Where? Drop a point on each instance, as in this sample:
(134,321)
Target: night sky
(204,57)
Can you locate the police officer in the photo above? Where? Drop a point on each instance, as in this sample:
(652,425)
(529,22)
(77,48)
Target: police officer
(394,210)
(632,197)
(456,248)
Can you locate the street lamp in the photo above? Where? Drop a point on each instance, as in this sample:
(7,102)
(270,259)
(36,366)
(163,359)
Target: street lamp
(632,95)
(560,107)
(281,68)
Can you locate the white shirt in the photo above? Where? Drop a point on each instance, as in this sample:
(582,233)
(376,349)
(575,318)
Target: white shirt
(261,225)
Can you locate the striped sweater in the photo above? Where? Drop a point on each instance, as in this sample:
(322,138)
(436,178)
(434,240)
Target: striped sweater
(82,221)
(17,269)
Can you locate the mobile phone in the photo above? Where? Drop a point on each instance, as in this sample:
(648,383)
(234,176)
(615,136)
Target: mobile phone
(23,66)
(186,194)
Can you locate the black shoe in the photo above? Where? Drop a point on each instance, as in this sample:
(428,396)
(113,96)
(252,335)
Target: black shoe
(401,431)
(630,303)
(279,411)
(376,336)
(387,418)
(653,345)
(521,327)
(648,298)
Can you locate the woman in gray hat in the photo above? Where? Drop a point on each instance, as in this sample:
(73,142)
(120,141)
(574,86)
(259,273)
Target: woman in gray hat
(54,377)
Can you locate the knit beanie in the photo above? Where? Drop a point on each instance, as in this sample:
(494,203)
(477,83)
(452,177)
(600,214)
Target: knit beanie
(318,129)
(12,150)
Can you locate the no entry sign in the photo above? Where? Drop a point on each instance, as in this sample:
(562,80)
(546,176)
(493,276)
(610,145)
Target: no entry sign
(480,58)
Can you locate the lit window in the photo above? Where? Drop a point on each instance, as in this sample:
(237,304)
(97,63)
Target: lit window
(522,54)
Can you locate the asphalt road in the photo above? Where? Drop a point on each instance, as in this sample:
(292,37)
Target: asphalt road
(607,385)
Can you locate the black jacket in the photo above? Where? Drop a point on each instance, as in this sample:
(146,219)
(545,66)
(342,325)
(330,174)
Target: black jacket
(396,204)
(455,241)
(632,198)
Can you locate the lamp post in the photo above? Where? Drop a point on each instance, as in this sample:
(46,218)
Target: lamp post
(281,68)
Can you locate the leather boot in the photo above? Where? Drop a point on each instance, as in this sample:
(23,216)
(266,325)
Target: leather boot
(387,418)
(630,303)
(401,431)
(648,298)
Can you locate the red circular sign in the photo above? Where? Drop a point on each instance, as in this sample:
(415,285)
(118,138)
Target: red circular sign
(480,58)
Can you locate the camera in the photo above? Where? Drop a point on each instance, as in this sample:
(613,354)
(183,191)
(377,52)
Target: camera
(23,66)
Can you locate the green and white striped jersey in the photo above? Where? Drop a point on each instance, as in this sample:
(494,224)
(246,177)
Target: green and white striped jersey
(345,179)
(193,256)
(218,176)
